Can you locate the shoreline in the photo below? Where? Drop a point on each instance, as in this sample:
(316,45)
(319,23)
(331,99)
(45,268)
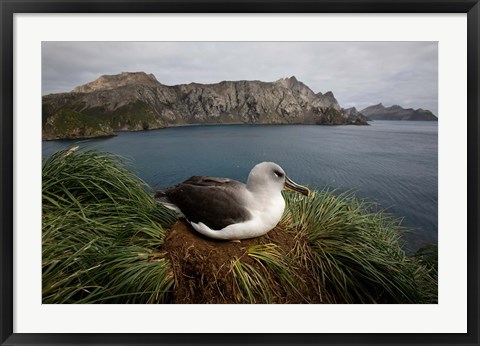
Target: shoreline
(189,125)
(369,123)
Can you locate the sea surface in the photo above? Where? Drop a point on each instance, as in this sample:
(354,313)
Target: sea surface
(393,163)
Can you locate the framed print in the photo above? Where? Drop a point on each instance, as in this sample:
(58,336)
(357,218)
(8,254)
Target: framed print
(242,172)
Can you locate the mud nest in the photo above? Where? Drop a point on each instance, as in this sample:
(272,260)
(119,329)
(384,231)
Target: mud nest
(258,270)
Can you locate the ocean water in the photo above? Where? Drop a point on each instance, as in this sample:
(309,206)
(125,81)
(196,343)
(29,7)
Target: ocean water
(393,163)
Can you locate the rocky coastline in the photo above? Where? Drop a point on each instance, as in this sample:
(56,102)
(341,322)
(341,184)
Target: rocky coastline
(138,101)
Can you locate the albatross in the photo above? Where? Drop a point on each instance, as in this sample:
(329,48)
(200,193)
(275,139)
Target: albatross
(223,208)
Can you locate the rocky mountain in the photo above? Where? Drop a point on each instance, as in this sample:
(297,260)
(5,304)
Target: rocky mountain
(116,81)
(138,101)
(380,112)
(354,116)
(329,100)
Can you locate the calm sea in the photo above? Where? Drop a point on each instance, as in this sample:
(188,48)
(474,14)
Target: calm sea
(393,163)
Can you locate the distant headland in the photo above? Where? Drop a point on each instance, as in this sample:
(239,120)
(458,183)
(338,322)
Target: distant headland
(395,112)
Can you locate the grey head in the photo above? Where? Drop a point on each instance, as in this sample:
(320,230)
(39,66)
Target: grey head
(271,177)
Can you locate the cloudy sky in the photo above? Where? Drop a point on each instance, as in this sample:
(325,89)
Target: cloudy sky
(358,73)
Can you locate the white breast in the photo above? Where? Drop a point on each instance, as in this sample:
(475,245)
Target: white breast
(265,216)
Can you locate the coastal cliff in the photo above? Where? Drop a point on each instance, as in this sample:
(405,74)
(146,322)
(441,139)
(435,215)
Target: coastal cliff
(138,101)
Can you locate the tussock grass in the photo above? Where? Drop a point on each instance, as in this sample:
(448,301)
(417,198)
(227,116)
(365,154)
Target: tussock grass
(355,253)
(252,284)
(101,230)
(271,274)
(103,235)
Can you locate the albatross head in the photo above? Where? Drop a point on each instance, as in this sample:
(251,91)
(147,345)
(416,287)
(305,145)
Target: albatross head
(270,176)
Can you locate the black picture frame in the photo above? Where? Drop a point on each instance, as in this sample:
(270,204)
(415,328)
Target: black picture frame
(9,7)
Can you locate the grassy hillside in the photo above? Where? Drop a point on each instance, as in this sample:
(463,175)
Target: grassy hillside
(105,240)
(68,123)
(134,116)
(97,122)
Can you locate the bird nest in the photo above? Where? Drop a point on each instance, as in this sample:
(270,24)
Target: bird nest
(256,270)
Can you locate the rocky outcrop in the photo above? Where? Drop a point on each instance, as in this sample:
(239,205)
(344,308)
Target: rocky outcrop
(137,101)
(115,81)
(355,116)
(329,100)
(380,112)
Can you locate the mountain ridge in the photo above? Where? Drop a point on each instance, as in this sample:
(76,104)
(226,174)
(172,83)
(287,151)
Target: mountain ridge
(133,101)
(396,112)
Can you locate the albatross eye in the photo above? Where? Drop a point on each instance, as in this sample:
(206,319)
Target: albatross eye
(278,174)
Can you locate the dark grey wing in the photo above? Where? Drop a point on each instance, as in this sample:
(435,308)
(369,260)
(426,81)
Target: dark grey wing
(215,204)
(212,181)
(200,181)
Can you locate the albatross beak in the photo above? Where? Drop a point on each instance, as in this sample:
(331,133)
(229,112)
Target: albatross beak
(292,186)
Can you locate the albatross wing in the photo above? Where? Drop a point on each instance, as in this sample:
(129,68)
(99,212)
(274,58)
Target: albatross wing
(215,202)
